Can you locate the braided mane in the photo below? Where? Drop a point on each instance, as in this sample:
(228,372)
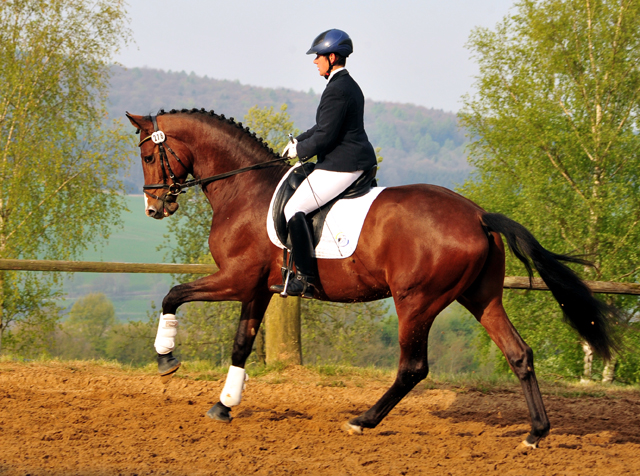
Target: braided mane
(221,117)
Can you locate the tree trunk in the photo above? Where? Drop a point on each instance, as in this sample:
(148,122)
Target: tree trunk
(283,331)
(2,325)
(260,346)
(588,363)
(609,372)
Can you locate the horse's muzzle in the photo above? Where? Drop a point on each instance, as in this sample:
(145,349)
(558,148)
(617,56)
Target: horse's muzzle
(159,210)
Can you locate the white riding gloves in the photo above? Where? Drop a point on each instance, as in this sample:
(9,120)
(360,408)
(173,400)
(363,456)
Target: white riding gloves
(290,150)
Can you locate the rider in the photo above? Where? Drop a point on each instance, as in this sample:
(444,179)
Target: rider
(338,140)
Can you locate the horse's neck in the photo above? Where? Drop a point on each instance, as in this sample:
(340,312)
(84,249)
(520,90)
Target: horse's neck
(222,153)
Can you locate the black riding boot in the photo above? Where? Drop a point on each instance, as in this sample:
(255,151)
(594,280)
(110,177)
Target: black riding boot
(302,250)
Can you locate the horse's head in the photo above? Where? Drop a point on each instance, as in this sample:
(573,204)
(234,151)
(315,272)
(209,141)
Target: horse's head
(165,162)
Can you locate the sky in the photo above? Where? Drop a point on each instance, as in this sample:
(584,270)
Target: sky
(408,51)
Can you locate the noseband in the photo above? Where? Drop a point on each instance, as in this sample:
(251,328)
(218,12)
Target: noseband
(176,188)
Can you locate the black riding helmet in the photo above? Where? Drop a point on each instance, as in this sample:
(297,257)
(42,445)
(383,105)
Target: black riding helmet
(331,41)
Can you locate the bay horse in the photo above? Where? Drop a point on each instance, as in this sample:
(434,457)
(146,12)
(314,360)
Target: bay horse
(423,245)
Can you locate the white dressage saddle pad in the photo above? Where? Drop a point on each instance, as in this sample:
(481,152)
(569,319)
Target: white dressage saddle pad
(342,226)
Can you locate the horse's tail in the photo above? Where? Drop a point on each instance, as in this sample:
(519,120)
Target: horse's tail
(586,314)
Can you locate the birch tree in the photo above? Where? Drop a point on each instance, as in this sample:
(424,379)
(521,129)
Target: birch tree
(58,160)
(556,146)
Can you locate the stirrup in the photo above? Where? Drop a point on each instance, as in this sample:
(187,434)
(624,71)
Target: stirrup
(299,285)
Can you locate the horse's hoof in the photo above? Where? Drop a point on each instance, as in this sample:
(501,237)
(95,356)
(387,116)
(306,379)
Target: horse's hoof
(220,412)
(531,442)
(167,366)
(352,429)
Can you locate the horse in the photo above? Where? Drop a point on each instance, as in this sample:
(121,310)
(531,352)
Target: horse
(423,245)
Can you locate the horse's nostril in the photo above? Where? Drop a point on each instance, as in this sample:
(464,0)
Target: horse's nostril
(150,212)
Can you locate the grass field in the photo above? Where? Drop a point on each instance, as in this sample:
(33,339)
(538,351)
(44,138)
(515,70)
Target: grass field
(136,242)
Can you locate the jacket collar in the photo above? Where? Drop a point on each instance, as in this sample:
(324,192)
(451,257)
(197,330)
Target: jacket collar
(336,73)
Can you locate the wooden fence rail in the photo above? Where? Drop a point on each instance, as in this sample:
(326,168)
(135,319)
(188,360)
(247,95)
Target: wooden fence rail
(103,267)
(605,287)
(510,282)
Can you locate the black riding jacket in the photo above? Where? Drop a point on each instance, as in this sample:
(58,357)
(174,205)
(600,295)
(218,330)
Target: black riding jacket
(338,138)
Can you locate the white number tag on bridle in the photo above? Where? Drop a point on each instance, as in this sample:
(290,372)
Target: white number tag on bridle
(157,137)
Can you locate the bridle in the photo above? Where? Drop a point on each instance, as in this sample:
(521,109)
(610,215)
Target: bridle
(176,188)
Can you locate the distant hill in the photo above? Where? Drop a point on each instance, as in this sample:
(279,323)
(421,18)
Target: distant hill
(418,144)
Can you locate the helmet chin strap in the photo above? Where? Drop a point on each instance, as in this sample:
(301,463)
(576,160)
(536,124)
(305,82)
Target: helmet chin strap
(328,73)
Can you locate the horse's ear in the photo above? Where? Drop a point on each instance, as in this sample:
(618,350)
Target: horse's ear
(137,121)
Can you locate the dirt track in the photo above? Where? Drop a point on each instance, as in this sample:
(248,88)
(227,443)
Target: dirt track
(83,419)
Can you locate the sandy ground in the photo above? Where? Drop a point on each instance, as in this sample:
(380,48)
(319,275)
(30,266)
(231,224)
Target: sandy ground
(86,419)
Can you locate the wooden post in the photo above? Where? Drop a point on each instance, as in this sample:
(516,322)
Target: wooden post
(283,331)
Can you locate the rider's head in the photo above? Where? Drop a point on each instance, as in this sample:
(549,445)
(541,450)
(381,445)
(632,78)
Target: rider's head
(332,48)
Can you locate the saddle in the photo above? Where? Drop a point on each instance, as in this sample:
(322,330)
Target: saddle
(316,219)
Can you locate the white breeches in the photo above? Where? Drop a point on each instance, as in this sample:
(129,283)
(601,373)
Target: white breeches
(319,188)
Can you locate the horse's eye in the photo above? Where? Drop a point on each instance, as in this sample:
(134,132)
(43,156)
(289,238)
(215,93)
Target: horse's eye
(148,159)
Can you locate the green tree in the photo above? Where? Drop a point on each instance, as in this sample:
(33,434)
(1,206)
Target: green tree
(360,334)
(274,127)
(87,327)
(58,160)
(132,342)
(555,123)
(207,331)
(453,343)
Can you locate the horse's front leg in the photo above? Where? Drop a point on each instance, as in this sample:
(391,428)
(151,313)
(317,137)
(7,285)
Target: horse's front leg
(217,287)
(250,320)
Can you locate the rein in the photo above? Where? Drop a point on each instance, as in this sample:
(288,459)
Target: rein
(176,188)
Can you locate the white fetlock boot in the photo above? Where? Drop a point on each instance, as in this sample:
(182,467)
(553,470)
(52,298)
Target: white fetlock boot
(230,396)
(164,344)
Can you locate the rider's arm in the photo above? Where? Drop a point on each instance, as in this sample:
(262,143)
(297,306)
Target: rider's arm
(324,134)
(307,134)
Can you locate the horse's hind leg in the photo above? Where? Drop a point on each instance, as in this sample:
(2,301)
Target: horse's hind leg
(520,358)
(250,320)
(414,326)
(484,301)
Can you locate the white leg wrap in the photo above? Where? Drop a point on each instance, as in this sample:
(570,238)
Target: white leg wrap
(167,331)
(232,391)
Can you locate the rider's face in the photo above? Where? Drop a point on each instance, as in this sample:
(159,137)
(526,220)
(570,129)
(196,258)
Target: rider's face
(322,63)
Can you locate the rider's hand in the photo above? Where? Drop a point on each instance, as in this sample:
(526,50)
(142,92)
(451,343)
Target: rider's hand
(290,150)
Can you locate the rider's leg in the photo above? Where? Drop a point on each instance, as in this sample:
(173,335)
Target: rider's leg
(319,188)
(302,252)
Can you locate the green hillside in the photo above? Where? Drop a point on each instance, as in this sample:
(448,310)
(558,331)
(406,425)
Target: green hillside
(138,239)
(136,242)
(419,145)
